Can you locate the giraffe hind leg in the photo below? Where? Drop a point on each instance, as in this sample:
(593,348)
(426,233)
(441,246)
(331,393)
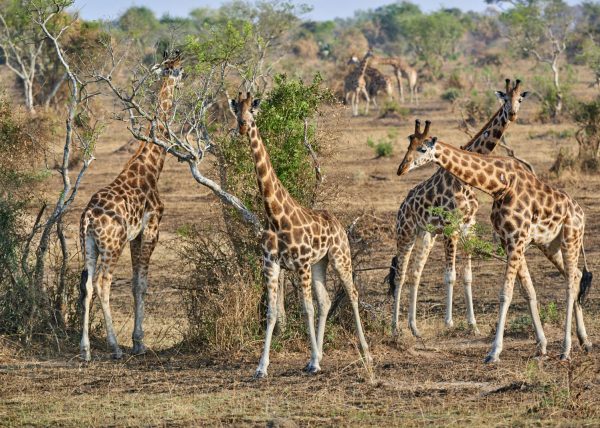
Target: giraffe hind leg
(141,248)
(423,246)
(342,264)
(319,277)
(86,294)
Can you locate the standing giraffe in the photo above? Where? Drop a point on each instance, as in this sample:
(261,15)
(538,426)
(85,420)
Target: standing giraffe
(525,211)
(298,239)
(377,82)
(401,69)
(445,191)
(127,210)
(356,84)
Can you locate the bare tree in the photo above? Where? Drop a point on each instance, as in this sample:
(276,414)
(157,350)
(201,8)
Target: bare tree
(46,225)
(540,29)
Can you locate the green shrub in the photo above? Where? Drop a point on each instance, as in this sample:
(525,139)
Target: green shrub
(384,146)
(451,94)
(281,125)
(393,109)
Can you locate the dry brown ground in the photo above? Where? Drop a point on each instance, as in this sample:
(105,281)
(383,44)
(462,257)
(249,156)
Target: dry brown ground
(438,381)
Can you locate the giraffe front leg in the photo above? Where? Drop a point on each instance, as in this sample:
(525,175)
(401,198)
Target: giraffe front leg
(423,244)
(271,273)
(397,279)
(468,279)
(530,295)
(514,258)
(313,365)
(450,244)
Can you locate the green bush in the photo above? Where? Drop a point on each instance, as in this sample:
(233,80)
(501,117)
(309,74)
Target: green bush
(383,147)
(451,94)
(280,121)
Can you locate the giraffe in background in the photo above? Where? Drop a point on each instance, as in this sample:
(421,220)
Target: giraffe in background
(356,84)
(377,82)
(525,211)
(401,69)
(127,210)
(298,239)
(445,191)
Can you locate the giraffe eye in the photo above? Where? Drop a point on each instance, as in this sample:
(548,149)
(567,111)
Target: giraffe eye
(421,149)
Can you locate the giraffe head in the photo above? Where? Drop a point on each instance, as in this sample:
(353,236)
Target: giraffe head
(170,68)
(512,98)
(244,109)
(416,148)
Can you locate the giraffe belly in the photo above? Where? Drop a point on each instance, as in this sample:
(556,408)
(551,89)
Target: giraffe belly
(542,234)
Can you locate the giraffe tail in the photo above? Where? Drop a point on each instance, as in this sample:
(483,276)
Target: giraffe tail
(586,280)
(85,221)
(391,277)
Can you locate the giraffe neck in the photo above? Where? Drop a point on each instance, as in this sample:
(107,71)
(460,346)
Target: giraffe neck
(363,66)
(486,140)
(151,154)
(275,196)
(486,173)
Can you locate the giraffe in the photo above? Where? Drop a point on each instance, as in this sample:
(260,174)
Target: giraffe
(298,239)
(377,82)
(525,211)
(443,190)
(401,69)
(355,84)
(127,210)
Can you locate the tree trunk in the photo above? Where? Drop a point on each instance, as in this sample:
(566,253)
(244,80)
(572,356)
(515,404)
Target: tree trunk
(28,94)
(559,96)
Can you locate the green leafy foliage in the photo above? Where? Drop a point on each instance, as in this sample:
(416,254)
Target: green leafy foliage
(475,242)
(281,125)
(384,146)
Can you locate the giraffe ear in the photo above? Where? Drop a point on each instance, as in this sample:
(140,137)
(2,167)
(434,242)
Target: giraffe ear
(524,94)
(501,95)
(233,106)
(255,104)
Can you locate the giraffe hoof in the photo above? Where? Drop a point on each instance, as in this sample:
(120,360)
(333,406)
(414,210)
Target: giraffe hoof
(587,347)
(86,355)
(117,354)
(449,324)
(139,349)
(260,374)
(311,369)
(565,357)
(491,359)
